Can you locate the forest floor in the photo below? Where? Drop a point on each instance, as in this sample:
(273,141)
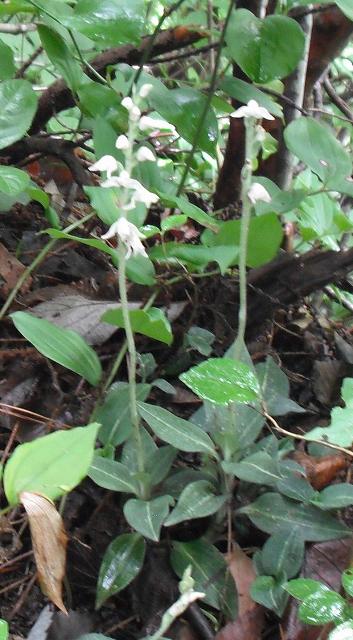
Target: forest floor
(74,285)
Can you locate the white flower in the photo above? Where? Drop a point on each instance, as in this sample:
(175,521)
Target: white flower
(105,163)
(252,110)
(129,235)
(258,192)
(134,111)
(145,154)
(154,123)
(122,143)
(145,90)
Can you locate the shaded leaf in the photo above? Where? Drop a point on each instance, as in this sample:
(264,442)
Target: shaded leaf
(209,570)
(197,500)
(180,433)
(112,475)
(63,346)
(18,104)
(271,512)
(121,563)
(147,517)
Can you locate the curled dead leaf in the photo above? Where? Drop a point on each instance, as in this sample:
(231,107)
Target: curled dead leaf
(49,544)
(321,471)
(251,616)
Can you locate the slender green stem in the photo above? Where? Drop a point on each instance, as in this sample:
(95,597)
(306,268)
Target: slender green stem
(123,349)
(244,233)
(207,103)
(147,51)
(36,262)
(135,419)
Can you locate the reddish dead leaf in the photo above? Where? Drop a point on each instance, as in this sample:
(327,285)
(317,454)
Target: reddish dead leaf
(11,269)
(325,562)
(321,471)
(49,544)
(250,620)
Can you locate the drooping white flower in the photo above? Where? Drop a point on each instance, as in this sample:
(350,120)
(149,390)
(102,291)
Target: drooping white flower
(258,192)
(252,110)
(122,143)
(144,154)
(105,163)
(129,234)
(134,111)
(145,90)
(155,124)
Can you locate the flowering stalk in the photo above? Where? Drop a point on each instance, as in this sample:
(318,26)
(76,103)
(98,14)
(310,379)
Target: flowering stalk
(131,191)
(250,194)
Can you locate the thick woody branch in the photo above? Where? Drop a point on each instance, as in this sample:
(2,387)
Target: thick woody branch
(59,97)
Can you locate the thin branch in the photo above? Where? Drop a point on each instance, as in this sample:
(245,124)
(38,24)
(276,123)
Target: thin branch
(337,100)
(58,96)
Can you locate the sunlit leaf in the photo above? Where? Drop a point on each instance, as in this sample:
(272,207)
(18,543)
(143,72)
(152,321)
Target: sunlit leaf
(52,465)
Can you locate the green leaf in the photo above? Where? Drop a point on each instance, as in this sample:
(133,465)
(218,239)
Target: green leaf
(344,631)
(190,210)
(264,49)
(275,389)
(18,104)
(264,240)
(121,563)
(244,91)
(322,607)
(51,465)
(152,322)
(180,433)
(183,108)
(302,588)
(114,413)
(268,591)
(283,553)
(159,463)
(63,346)
(7,69)
(196,501)
(61,57)
(147,517)
(200,340)
(140,269)
(337,496)
(4,630)
(13,181)
(112,475)
(271,512)
(173,222)
(104,202)
(315,145)
(346,7)
(210,572)
(109,22)
(295,487)
(195,256)
(260,468)
(340,430)
(347,581)
(222,380)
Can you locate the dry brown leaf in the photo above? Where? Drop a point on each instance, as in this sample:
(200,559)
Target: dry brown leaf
(49,544)
(250,620)
(321,471)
